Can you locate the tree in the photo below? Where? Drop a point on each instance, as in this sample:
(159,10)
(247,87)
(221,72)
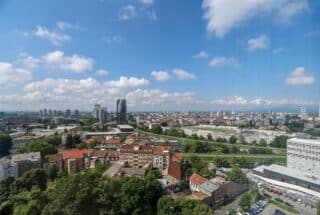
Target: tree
(75,194)
(31,178)
(221,162)
(132,195)
(30,202)
(69,142)
(166,206)
(196,163)
(39,146)
(233,139)
(245,201)
(5,144)
(54,140)
(209,137)
(263,142)
(238,176)
(280,142)
(242,140)
(5,195)
(52,171)
(206,172)
(318,208)
(202,209)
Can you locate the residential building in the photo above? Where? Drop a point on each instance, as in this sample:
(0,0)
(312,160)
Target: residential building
(8,169)
(27,161)
(74,160)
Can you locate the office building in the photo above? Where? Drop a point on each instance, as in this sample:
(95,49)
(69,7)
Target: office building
(96,109)
(121,111)
(304,155)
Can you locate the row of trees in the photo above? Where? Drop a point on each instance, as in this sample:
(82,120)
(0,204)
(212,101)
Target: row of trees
(89,193)
(207,147)
(233,139)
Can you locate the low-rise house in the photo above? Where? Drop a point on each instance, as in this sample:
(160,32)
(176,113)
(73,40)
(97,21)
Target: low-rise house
(201,186)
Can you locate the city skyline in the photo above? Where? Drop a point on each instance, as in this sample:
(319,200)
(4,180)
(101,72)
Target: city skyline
(159,55)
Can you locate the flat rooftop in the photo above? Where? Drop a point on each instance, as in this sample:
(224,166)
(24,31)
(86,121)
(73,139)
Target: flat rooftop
(291,173)
(306,141)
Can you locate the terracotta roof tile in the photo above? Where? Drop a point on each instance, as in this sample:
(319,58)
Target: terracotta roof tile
(197,179)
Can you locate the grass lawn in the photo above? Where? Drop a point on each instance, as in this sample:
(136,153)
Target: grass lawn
(284,207)
(224,130)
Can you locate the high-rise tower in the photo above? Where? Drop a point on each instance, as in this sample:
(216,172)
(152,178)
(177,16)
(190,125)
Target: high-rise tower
(121,111)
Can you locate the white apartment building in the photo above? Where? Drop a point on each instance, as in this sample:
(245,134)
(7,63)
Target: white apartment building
(304,155)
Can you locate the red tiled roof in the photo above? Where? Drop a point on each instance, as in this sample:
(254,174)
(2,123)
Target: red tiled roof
(174,170)
(75,153)
(54,157)
(197,179)
(158,150)
(177,155)
(130,148)
(113,141)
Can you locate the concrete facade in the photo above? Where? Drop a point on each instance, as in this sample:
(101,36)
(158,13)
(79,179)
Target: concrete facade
(304,155)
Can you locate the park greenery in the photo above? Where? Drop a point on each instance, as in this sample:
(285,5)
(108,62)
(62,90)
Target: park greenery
(280,142)
(238,176)
(88,192)
(235,145)
(233,161)
(170,206)
(314,132)
(41,146)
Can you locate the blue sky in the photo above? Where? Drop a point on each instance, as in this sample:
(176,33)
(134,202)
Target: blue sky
(159,55)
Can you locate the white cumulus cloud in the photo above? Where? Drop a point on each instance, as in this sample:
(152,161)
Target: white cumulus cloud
(125,82)
(74,63)
(224,61)
(299,77)
(261,42)
(183,74)
(201,55)
(225,15)
(160,75)
(10,74)
(147,2)
(102,72)
(55,38)
(128,12)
